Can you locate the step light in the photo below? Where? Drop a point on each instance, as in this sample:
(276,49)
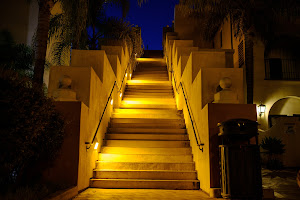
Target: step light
(111,102)
(121,95)
(126,75)
(96,145)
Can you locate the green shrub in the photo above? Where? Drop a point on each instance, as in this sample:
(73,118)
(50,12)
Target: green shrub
(274,147)
(18,57)
(31,130)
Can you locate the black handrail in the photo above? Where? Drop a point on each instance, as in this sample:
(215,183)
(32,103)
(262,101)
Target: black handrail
(109,97)
(199,144)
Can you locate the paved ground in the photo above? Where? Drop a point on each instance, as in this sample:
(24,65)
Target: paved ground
(141,194)
(283,182)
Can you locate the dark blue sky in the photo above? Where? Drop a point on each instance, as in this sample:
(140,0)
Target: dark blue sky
(152,16)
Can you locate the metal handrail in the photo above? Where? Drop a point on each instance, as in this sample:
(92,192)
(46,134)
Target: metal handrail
(109,97)
(96,132)
(199,144)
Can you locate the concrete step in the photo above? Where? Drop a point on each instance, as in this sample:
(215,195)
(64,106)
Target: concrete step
(164,83)
(147,121)
(149,76)
(190,166)
(147,130)
(149,72)
(141,150)
(149,87)
(148,82)
(148,111)
(145,158)
(148,95)
(147,115)
(145,184)
(150,68)
(145,174)
(150,79)
(145,143)
(148,101)
(140,136)
(154,106)
(149,90)
(148,125)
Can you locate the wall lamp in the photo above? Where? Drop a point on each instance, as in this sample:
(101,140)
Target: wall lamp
(261,108)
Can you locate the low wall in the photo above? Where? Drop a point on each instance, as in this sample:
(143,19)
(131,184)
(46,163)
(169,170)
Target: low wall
(199,74)
(93,78)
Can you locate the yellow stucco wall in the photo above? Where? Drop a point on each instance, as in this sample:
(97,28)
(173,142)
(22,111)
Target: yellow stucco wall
(93,91)
(265,91)
(199,71)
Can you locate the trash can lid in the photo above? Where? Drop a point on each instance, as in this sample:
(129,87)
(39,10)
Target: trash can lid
(238,127)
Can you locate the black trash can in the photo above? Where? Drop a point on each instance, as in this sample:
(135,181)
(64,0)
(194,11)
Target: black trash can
(240,160)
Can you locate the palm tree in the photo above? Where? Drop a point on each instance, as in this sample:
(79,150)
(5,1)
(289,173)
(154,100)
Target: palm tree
(75,10)
(63,28)
(45,7)
(76,13)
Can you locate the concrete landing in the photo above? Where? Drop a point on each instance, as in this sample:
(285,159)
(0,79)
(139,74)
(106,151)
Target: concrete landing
(141,194)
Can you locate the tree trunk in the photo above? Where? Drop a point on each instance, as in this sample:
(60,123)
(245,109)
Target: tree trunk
(42,37)
(249,64)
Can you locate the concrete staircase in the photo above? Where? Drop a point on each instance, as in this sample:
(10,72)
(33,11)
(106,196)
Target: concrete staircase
(146,145)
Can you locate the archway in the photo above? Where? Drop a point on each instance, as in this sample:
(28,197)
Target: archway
(284,124)
(285,107)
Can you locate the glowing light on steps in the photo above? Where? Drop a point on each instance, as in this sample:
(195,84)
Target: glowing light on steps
(121,95)
(96,145)
(126,75)
(111,102)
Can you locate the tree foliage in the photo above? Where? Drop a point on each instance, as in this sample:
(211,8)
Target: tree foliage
(17,57)
(31,128)
(258,15)
(272,145)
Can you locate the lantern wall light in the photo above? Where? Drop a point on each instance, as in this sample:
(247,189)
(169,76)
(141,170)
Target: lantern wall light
(261,108)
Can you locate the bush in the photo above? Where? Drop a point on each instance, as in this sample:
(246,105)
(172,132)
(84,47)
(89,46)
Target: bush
(274,148)
(31,130)
(18,57)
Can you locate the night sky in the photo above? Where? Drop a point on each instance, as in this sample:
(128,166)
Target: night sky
(152,16)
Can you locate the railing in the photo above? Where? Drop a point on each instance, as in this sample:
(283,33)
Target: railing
(282,69)
(195,130)
(89,144)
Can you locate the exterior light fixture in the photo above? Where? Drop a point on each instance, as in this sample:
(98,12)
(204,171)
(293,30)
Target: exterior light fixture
(111,102)
(261,108)
(126,75)
(96,145)
(120,94)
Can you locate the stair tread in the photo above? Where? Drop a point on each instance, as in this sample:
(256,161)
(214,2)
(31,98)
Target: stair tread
(101,161)
(122,170)
(147,180)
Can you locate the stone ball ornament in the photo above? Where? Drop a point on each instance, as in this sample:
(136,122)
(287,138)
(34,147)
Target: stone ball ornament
(225,83)
(65,82)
